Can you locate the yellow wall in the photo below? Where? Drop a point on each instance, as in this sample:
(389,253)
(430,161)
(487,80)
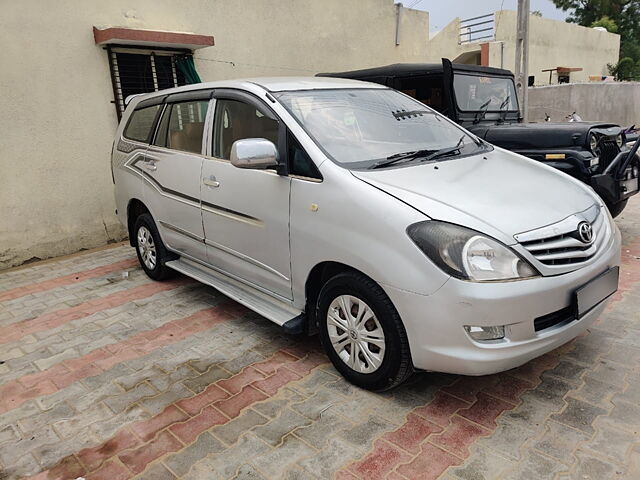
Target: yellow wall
(58,121)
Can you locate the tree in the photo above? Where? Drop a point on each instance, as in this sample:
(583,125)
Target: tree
(624,14)
(536,13)
(607,23)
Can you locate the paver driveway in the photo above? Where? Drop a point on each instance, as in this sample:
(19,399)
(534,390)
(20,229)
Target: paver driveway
(108,375)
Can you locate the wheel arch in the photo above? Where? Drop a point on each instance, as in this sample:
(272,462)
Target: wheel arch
(135,208)
(316,278)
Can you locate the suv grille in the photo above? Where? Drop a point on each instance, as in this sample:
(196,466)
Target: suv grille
(607,150)
(567,248)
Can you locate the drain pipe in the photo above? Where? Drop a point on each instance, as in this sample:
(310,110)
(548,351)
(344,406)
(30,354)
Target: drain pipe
(398,12)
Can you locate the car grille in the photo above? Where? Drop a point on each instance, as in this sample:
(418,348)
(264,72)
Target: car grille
(607,150)
(567,248)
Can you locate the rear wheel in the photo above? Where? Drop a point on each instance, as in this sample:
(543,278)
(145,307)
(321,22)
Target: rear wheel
(362,333)
(152,253)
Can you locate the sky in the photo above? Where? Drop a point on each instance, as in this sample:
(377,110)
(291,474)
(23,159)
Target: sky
(441,12)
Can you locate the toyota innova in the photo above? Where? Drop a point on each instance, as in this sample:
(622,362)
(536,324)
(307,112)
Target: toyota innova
(352,210)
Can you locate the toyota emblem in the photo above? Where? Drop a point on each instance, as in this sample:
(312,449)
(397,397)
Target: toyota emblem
(585,232)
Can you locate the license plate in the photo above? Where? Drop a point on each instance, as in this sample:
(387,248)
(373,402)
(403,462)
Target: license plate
(597,290)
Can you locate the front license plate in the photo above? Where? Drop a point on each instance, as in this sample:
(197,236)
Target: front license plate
(597,290)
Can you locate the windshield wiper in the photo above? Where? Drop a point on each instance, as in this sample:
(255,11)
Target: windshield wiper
(445,151)
(482,112)
(399,157)
(503,110)
(427,154)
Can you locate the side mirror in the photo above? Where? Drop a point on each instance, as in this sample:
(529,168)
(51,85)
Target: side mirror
(254,153)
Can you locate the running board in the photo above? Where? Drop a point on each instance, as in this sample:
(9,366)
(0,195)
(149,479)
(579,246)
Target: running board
(275,310)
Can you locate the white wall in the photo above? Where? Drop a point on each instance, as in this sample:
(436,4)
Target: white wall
(552,44)
(57,117)
(605,102)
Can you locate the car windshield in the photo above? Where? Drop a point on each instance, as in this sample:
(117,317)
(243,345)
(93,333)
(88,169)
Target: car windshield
(476,93)
(362,128)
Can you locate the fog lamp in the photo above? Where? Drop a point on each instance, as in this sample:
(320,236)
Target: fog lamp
(485,333)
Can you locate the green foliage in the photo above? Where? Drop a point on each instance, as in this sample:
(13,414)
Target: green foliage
(623,14)
(625,69)
(607,23)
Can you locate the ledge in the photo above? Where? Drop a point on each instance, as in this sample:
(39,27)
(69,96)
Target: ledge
(151,38)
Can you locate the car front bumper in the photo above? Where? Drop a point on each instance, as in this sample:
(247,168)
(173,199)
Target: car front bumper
(435,323)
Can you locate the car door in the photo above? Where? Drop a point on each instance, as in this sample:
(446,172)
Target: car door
(246,212)
(173,166)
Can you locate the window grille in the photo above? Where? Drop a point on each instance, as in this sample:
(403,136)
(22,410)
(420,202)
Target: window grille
(136,70)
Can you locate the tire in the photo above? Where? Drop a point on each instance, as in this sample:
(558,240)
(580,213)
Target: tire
(376,368)
(617,208)
(152,253)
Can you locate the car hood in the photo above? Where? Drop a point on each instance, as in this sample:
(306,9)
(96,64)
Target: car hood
(541,135)
(498,193)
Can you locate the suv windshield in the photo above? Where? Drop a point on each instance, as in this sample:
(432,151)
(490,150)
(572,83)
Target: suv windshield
(493,94)
(361,128)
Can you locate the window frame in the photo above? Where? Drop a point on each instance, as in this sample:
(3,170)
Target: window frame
(262,107)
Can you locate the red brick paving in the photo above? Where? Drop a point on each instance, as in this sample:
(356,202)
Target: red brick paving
(458,436)
(377,464)
(441,408)
(188,431)
(169,431)
(485,410)
(45,285)
(15,331)
(430,463)
(411,434)
(16,392)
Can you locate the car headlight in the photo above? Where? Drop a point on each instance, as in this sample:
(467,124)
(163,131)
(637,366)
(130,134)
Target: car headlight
(467,254)
(593,143)
(619,141)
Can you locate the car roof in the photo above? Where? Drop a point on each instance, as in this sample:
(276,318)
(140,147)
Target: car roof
(271,84)
(413,69)
(279,84)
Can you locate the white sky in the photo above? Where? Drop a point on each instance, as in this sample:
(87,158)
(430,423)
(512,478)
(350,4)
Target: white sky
(441,12)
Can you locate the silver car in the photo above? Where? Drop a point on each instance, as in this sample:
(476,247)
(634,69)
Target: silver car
(352,210)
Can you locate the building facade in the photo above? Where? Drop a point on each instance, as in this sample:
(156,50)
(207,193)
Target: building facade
(69,66)
(559,52)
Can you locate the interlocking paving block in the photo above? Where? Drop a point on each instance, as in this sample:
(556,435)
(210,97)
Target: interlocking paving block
(579,414)
(560,441)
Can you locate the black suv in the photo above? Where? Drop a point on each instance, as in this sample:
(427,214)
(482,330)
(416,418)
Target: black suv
(484,101)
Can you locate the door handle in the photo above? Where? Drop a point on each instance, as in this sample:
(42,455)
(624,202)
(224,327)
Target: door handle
(150,165)
(211,181)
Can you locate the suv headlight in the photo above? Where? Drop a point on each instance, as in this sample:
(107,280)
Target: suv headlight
(620,140)
(593,143)
(467,254)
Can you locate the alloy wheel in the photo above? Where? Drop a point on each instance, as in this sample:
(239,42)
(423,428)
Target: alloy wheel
(355,334)
(147,247)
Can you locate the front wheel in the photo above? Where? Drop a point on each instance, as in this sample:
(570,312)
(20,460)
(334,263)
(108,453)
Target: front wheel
(362,332)
(617,208)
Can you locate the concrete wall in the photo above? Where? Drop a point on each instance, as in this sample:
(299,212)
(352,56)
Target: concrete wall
(57,118)
(607,102)
(551,44)
(557,44)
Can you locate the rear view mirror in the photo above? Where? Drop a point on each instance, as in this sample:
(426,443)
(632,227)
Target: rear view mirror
(254,153)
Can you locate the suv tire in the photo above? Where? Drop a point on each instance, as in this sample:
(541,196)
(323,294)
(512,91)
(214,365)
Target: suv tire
(152,253)
(371,316)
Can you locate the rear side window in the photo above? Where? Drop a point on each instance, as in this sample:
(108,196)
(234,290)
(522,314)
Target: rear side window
(141,123)
(182,126)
